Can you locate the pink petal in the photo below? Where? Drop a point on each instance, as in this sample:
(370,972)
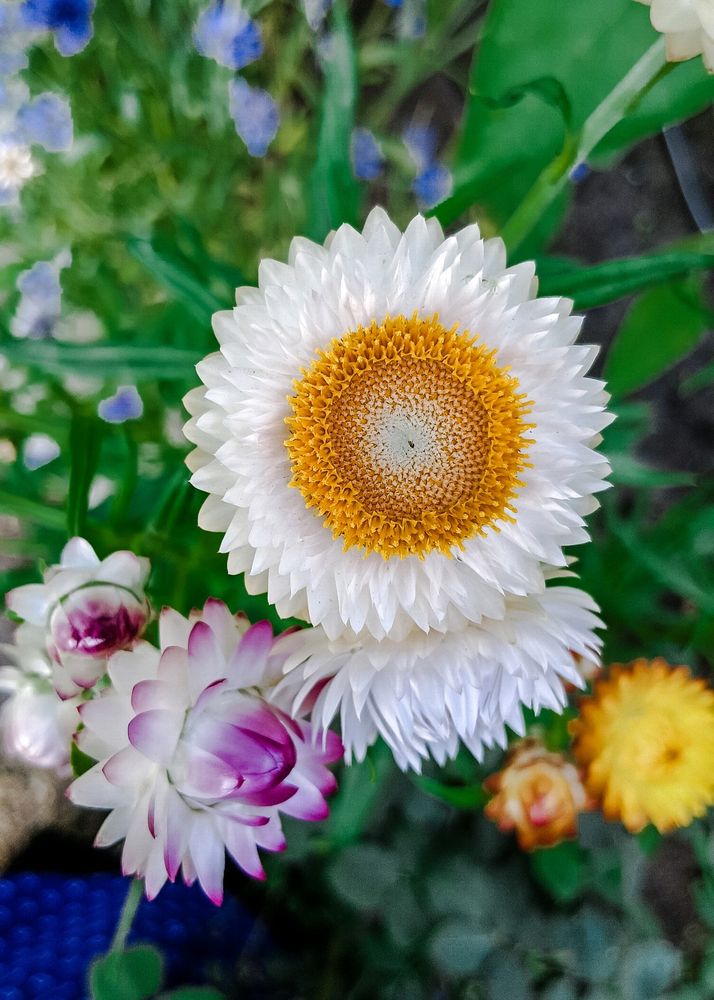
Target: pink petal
(108,717)
(173,668)
(128,668)
(125,768)
(138,843)
(173,629)
(206,661)
(307,803)
(203,776)
(155,874)
(155,733)
(266,797)
(94,790)
(178,823)
(208,855)
(248,663)
(150,694)
(271,837)
(114,827)
(240,844)
(123,568)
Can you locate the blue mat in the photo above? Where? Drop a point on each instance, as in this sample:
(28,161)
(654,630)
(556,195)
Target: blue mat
(52,926)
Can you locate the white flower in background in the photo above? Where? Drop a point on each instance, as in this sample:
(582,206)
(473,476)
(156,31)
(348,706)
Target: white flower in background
(16,167)
(35,725)
(688,28)
(192,760)
(38,450)
(88,608)
(426,692)
(395,432)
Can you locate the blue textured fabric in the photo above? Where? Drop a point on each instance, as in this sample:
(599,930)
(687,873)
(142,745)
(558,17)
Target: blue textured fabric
(52,926)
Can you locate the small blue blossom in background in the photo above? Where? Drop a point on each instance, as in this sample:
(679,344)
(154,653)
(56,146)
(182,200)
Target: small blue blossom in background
(432,185)
(69,20)
(225,32)
(394,3)
(14,40)
(40,302)
(39,450)
(579,173)
(366,154)
(125,404)
(47,121)
(411,22)
(315,12)
(255,114)
(420,141)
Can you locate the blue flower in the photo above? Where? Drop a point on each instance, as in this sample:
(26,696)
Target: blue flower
(579,172)
(420,140)
(39,450)
(47,121)
(125,404)
(432,185)
(255,114)
(411,22)
(40,299)
(70,20)
(366,155)
(13,40)
(225,32)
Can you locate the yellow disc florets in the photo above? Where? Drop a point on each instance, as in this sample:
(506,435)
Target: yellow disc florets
(646,741)
(407,437)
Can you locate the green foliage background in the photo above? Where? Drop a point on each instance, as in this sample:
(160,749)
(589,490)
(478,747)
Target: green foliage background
(406,891)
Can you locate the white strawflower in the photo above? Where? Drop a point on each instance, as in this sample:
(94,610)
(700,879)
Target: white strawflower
(193,762)
(688,28)
(426,692)
(395,431)
(35,725)
(88,608)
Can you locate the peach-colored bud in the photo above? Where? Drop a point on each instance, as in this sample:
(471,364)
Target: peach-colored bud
(538,794)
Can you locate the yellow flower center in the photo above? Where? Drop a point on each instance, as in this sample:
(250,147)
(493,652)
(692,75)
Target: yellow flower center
(407,437)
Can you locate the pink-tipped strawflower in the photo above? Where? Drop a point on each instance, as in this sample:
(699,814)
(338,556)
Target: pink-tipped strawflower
(89,609)
(192,760)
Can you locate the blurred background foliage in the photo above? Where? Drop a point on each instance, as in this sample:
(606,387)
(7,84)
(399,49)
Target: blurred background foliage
(406,891)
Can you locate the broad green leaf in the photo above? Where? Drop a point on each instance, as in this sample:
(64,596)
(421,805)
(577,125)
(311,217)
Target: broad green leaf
(360,787)
(361,874)
(588,48)
(176,277)
(591,285)
(85,442)
(630,471)
(560,870)
(459,796)
(459,949)
(648,969)
(134,362)
(133,974)
(659,329)
(334,191)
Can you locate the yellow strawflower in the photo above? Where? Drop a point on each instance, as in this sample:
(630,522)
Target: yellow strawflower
(645,740)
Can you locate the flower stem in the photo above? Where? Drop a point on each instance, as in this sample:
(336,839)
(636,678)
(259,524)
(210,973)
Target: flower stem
(621,101)
(128,912)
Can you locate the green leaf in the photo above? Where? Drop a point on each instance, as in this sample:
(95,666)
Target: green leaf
(33,511)
(588,48)
(133,974)
(598,284)
(560,870)
(80,761)
(649,967)
(660,328)
(334,191)
(360,787)
(459,796)
(362,874)
(460,949)
(175,275)
(133,362)
(85,442)
(630,471)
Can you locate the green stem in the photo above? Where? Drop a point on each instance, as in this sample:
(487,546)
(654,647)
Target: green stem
(128,912)
(620,102)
